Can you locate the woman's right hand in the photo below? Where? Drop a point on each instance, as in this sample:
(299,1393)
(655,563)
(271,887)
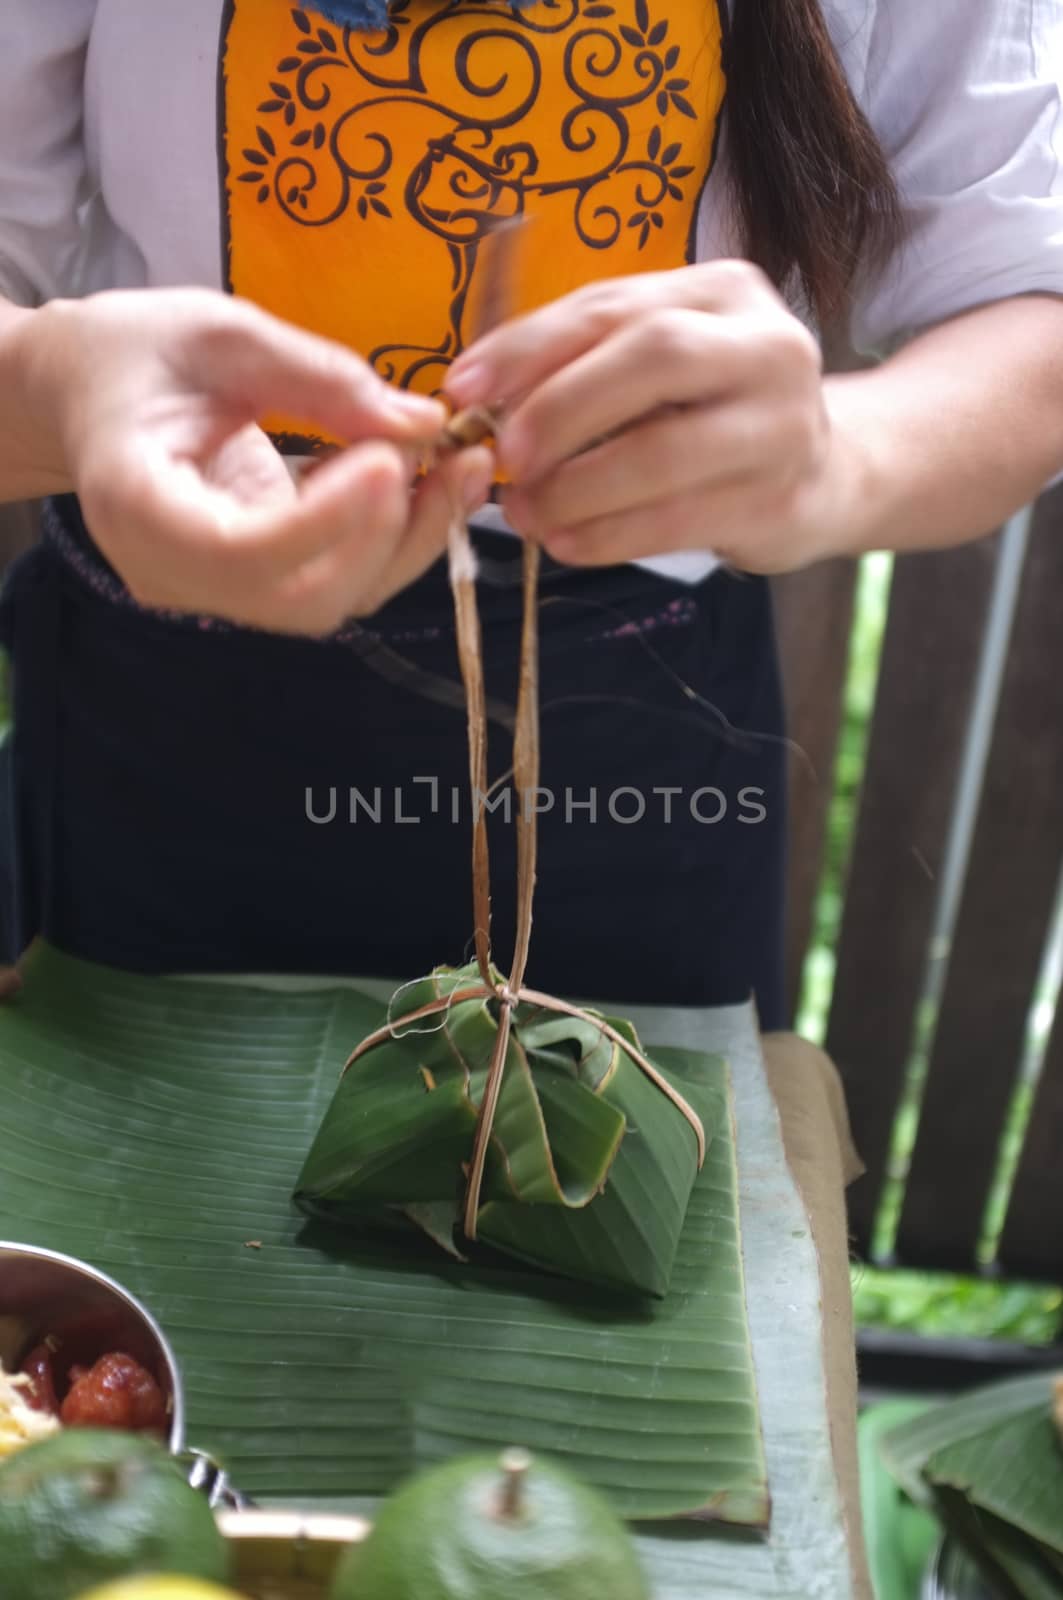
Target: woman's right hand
(146,401)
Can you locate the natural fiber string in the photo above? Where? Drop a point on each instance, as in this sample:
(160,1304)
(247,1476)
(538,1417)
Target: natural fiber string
(393,1028)
(462,564)
(511,992)
(729,731)
(526,774)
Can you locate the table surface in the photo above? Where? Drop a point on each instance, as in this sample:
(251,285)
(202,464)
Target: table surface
(809,1554)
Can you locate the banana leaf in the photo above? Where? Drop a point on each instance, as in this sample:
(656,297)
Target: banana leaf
(590,1167)
(991,1466)
(908,1448)
(1012,1471)
(156,1127)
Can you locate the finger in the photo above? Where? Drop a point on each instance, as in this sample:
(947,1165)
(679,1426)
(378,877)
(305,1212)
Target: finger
(257,363)
(344,583)
(704,446)
(665,358)
(743,522)
(267,540)
(679,522)
(180,541)
(521,353)
(459,488)
(332,496)
(249,467)
(343,580)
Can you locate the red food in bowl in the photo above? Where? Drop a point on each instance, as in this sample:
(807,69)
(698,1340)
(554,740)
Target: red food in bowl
(40,1392)
(116,1393)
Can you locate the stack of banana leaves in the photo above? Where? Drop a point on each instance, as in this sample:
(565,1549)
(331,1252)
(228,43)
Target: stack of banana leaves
(156,1127)
(990,1464)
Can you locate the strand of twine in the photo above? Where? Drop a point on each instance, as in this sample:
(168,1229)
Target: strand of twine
(510,992)
(526,774)
(481,991)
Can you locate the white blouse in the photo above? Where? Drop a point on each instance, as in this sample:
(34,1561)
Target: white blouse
(109,175)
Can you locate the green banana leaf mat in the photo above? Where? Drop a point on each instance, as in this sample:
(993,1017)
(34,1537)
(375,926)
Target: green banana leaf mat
(156,1127)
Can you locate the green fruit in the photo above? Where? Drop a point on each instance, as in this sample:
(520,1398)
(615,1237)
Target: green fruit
(481,1528)
(161,1588)
(88,1505)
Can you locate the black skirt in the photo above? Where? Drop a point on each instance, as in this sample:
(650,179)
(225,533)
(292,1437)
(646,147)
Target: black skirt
(185,795)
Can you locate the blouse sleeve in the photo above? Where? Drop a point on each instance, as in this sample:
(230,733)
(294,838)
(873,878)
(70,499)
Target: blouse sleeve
(42,162)
(966,98)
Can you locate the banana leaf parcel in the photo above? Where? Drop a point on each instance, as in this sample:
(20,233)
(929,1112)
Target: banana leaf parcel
(489,1113)
(591,1161)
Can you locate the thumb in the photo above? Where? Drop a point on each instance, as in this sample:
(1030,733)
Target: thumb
(258,363)
(456,489)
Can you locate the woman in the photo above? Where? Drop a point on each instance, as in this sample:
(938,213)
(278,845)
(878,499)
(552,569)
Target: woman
(214,766)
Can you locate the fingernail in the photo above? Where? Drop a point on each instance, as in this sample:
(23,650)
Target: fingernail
(468,384)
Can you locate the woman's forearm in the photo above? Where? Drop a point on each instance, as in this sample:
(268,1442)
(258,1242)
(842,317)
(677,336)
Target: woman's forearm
(956,432)
(31,457)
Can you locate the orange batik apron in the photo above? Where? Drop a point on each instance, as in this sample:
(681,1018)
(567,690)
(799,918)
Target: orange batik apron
(361,170)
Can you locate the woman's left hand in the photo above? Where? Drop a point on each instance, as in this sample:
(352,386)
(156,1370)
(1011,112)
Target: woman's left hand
(666,411)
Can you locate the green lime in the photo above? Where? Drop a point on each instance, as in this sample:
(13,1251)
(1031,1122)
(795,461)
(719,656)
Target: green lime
(89,1505)
(481,1527)
(153,1587)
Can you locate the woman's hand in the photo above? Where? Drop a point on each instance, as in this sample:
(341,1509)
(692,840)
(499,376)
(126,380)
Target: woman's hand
(666,411)
(146,403)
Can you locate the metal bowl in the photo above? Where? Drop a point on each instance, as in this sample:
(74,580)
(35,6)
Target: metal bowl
(286,1555)
(42,1294)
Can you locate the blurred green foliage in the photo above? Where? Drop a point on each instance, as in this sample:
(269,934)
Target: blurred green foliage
(970,1308)
(869,622)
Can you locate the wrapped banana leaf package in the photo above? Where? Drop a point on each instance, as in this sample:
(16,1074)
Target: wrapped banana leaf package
(592,1153)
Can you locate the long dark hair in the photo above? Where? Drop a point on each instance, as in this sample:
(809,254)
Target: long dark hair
(813,189)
